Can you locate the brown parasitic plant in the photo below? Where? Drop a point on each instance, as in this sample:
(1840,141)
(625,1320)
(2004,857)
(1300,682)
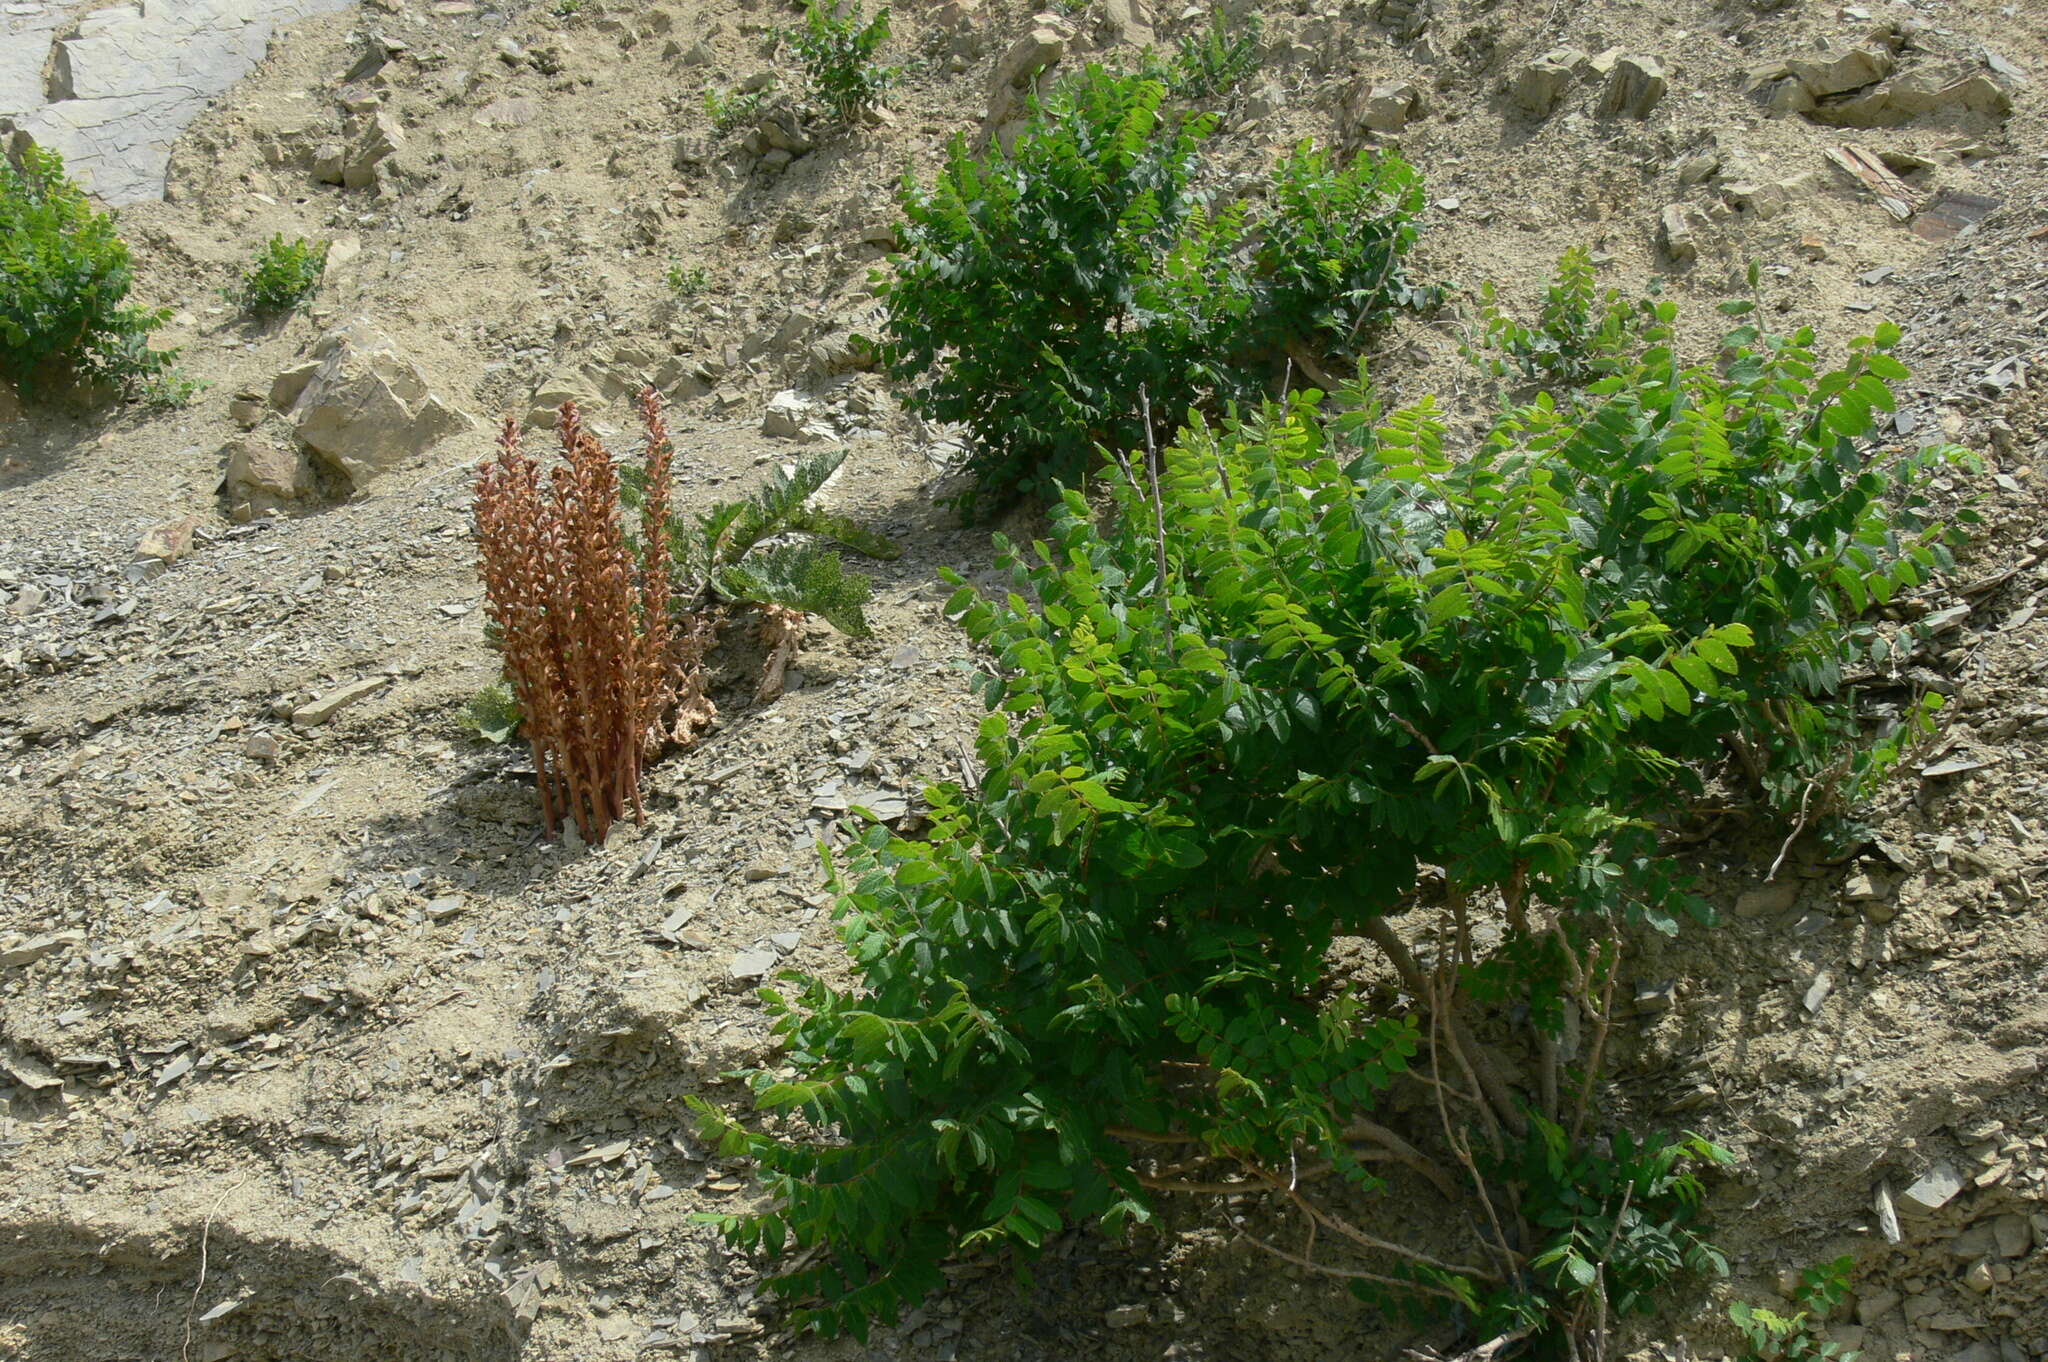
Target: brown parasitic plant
(601,673)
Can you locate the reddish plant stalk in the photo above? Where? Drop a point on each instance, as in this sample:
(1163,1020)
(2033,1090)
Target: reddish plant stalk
(585,629)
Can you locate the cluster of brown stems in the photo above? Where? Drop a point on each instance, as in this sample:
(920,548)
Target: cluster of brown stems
(601,671)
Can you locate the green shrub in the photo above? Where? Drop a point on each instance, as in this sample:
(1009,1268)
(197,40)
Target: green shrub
(730,109)
(1797,1338)
(64,279)
(837,50)
(1613,1228)
(1328,257)
(282,276)
(687,283)
(1237,717)
(1580,335)
(1047,296)
(1216,60)
(493,713)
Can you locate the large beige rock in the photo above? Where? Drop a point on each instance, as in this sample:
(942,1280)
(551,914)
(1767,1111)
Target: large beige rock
(781,128)
(264,466)
(1385,107)
(1785,95)
(1538,86)
(544,407)
(1023,72)
(1674,234)
(168,542)
(1635,85)
(1404,19)
(1948,88)
(1834,73)
(1868,108)
(367,408)
(1129,23)
(379,140)
(290,383)
(1943,88)
(259,476)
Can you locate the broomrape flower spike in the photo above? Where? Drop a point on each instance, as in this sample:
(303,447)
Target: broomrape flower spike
(590,649)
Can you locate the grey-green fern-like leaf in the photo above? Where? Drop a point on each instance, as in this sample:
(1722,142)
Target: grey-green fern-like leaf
(776,505)
(714,540)
(806,577)
(845,532)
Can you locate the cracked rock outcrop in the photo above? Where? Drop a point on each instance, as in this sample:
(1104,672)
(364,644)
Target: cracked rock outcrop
(111,89)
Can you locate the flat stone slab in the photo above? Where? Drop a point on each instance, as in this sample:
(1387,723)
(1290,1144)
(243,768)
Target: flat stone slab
(124,81)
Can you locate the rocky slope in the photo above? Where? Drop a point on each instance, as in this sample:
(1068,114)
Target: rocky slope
(310,1047)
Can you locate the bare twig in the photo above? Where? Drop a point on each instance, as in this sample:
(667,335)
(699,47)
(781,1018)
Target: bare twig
(1297,353)
(1478,1070)
(1349,1273)
(1500,1248)
(1402,1152)
(205,1234)
(1461,923)
(1599,1293)
(1485,1352)
(1158,520)
(1805,798)
(1601,1023)
(1364,1240)
(1546,1053)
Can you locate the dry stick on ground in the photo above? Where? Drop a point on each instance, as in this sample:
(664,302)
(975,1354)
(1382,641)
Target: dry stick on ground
(205,1234)
(1348,1273)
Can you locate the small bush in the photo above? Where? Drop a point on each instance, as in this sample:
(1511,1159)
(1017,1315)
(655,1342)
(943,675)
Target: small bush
(282,276)
(1216,59)
(728,110)
(1772,1337)
(1049,297)
(1579,336)
(64,279)
(492,713)
(838,50)
(169,390)
(687,283)
(1614,1227)
(1312,671)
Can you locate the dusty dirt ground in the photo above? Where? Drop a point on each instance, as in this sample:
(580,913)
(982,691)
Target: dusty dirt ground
(312,1048)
